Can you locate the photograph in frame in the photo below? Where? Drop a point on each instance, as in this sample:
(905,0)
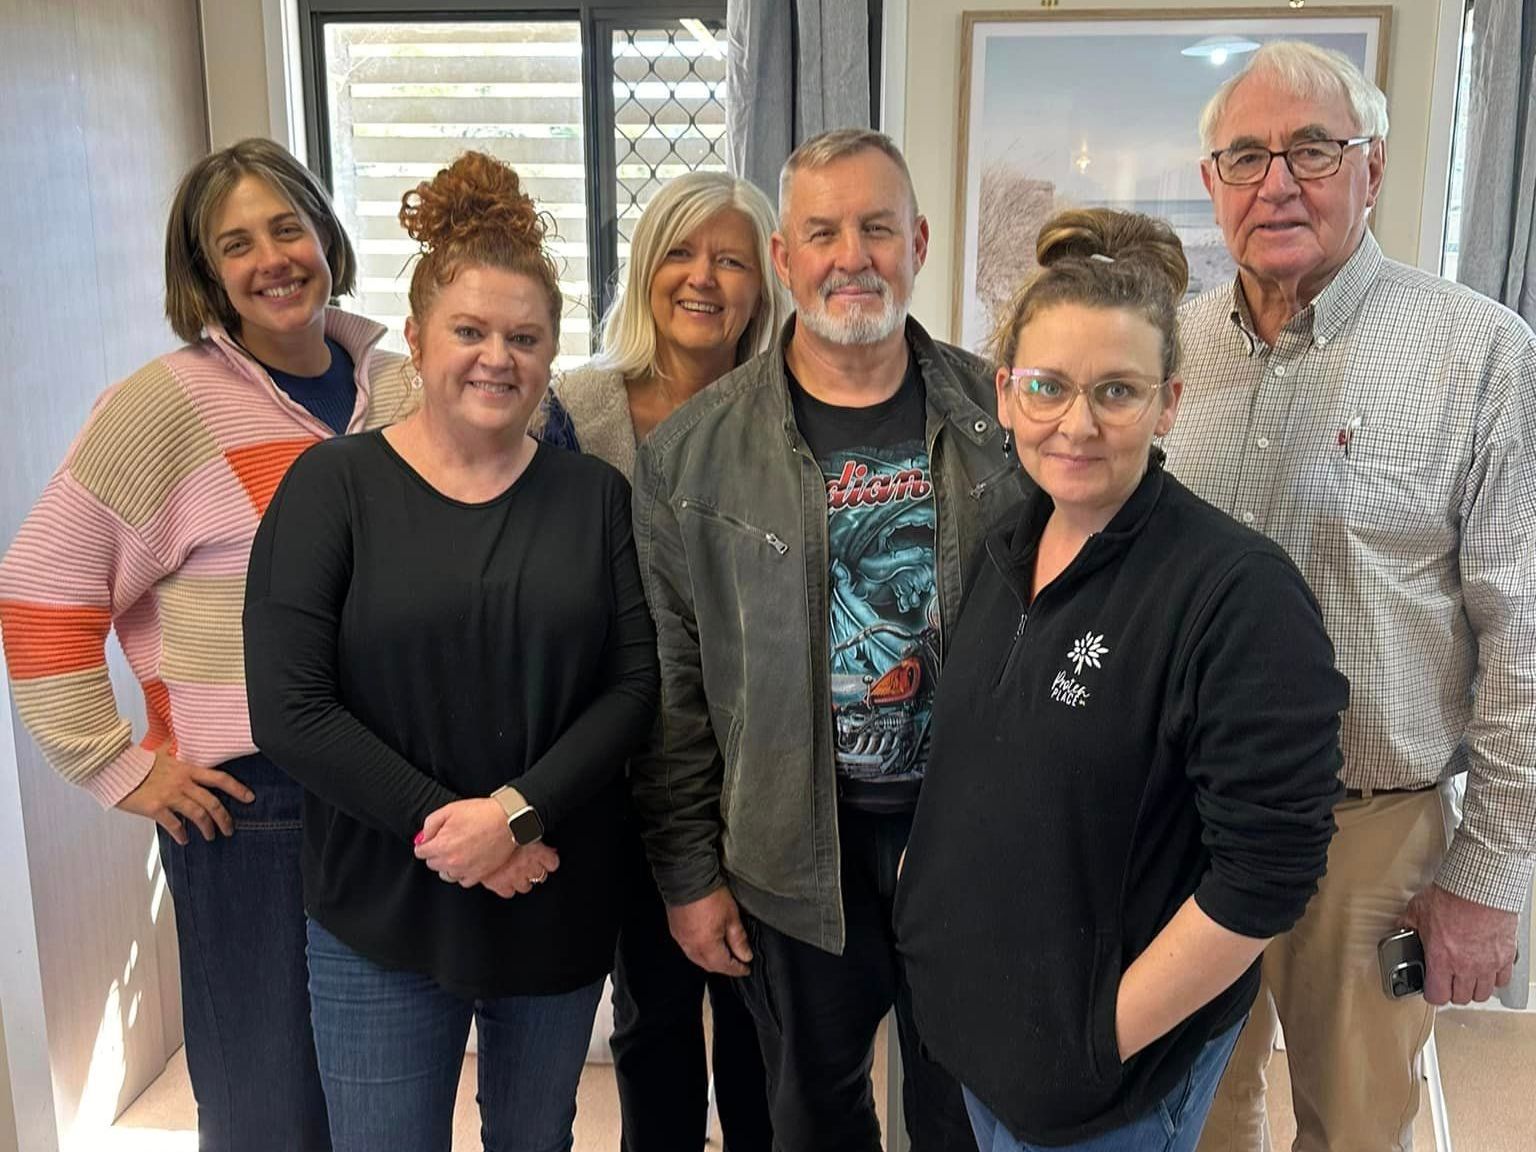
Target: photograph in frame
(1102,109)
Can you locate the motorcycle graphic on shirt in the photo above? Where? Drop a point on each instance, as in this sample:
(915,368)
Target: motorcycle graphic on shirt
(883,611)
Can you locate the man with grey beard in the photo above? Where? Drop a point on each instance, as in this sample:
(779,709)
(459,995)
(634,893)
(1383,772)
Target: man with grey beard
(805,527)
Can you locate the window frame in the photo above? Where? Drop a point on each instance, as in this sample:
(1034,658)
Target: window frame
(1455,148)
(598,23)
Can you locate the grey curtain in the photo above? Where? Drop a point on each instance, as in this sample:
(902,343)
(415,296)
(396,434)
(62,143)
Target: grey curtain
(793,69)
(1498,254)
(1498,215)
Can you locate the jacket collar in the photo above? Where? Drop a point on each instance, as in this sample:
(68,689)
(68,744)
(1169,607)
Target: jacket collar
(947,398)
(1012,548)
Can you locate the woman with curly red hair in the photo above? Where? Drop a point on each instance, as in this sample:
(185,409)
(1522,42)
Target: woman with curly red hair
(446,643)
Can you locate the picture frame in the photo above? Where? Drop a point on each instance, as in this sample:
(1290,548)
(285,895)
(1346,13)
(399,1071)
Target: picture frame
(1101,107)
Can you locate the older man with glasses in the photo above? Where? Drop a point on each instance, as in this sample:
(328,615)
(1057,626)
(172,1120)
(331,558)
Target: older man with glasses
(1378,423)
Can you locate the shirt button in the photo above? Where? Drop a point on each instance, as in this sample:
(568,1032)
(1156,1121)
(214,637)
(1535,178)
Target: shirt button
(1263,441)
(1247,517)
(1322,341)
(1279,369)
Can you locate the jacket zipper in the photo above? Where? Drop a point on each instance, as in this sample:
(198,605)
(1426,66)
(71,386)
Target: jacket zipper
(983,484)
(709,513)
(938,543)
(1014,648)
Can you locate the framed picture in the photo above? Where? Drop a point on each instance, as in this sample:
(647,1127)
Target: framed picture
(1102,108)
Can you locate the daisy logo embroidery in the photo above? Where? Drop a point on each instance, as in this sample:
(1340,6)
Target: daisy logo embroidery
(1089,650)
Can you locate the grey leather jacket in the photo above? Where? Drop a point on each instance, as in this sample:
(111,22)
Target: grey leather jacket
(730,512)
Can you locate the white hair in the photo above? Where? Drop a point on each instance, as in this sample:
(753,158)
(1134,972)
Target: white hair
(1309,72)
(683,205)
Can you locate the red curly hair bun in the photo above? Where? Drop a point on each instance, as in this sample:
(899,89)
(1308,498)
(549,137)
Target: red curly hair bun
(475,212)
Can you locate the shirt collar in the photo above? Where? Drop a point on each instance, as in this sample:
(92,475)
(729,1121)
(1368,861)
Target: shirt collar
(1338,302)
(1334,305)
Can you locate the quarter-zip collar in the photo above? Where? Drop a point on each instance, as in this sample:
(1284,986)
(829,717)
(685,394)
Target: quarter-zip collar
(357,334)
(1012,549)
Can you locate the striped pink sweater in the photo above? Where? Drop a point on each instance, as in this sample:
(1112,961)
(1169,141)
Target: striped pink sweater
(147,528)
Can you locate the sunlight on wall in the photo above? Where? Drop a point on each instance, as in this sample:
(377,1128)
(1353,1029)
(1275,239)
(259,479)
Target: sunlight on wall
(157,899)
(101,1100)
(104,1081)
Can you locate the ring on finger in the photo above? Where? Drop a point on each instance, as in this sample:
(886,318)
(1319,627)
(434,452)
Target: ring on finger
(541,877)
(447,879)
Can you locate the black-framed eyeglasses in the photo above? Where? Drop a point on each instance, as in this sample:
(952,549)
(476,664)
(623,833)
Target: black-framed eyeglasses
(1118,400)
(1308,160)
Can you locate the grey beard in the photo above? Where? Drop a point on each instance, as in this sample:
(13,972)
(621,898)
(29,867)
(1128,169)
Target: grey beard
(857,327)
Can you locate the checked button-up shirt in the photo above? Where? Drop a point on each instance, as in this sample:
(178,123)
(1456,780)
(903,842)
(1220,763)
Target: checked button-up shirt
(1388,442)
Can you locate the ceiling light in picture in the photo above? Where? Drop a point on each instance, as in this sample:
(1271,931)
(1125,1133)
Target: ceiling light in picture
(1219,49)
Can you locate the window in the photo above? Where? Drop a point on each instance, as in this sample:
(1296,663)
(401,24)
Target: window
(1450,254)
(395,92)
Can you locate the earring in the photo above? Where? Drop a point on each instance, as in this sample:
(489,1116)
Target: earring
(416,381)
(1007,441)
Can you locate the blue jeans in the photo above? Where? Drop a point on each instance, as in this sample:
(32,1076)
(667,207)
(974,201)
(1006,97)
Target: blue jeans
(391,1047)
(1172,1126)
(245,1008)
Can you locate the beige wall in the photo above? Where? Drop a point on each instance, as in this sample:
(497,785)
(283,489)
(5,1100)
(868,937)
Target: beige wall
(104,110)
(932,95)
(7,1105)
(234,46)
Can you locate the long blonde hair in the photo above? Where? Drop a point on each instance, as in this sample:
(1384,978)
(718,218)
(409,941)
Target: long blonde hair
(683,205)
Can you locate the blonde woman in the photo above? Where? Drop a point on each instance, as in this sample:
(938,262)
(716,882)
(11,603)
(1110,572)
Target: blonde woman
(146,529)
(699,297)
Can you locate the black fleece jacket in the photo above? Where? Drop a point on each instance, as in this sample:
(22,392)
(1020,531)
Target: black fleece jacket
(1161,722)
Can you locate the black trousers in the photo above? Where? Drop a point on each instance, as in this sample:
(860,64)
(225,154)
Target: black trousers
(817,1014)
(658,1043)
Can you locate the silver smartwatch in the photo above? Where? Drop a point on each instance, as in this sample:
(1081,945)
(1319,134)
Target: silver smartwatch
(522,821)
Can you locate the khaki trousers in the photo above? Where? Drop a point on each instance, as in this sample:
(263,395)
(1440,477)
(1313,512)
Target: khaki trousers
(1353,1052)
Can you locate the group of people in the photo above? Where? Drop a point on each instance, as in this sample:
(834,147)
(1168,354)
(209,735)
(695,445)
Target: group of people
(1094,706)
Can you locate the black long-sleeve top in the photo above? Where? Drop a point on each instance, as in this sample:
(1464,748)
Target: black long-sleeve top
(1160,722)
(404,650)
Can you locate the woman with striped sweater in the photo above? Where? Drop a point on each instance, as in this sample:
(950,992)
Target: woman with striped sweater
(146,528)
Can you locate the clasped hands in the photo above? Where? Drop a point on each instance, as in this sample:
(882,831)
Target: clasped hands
(467,843)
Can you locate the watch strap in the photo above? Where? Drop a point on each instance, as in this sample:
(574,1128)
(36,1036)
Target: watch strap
(511,803)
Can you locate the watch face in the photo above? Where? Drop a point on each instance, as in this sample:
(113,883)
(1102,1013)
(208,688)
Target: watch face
(526,827)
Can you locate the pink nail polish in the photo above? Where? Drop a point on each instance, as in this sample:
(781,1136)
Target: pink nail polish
(420,836)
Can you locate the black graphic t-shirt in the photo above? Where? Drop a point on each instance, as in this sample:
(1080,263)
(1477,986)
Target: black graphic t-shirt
(882,591)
